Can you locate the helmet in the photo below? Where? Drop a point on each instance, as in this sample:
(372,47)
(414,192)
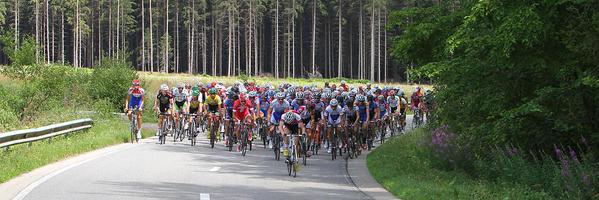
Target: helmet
(135,82)
(164,87)
(316,95)
(368,84)
(326,95)
(370,97)
(381,97)
(212,91)
(427,92)
(299,96)
(241,97)
(360,98)
(342,82)
(181,85)
(349,102)
(252,94)
(334,102)
(199,84)
(195,91)
(289,117)
(280,95)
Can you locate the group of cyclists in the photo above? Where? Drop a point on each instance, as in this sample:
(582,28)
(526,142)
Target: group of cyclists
(332,116)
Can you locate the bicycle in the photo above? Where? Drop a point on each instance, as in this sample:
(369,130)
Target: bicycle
(133,126)
(229,134)
(243,128)
(316,141)
(291,159)
(214,128)
(180,130)
(352,150)
(417,120)
(304,148)
(261,128)
(276,140)
(165,128)
(193,131)
(333,143)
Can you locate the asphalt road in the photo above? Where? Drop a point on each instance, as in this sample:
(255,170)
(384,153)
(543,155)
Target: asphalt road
(179,171)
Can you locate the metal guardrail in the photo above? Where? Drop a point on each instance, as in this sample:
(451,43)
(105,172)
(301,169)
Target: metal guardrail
(35,134)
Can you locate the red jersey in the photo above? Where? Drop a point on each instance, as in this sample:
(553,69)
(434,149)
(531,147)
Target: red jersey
(240,111)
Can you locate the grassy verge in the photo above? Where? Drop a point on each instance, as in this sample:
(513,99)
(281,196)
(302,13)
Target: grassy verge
(400,168)
(23,158)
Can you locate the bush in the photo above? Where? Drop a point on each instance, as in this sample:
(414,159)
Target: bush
(110,81)
(8,119)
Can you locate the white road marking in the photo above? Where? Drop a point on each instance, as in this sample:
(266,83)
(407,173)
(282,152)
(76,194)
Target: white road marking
(214,169)
(23,193)
(204,196)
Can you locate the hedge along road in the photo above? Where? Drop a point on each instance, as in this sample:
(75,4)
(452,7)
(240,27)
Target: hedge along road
(178,171)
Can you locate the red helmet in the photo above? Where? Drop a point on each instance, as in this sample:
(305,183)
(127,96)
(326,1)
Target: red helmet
(135,82)
(242,97)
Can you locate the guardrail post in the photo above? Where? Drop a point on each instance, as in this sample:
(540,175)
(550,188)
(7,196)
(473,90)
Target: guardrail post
(49,140)
(30,144)
(6,149)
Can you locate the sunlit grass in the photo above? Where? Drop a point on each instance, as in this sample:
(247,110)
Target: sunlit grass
(24,158)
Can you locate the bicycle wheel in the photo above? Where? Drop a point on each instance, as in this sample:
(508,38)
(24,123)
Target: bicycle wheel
(304,150)
(213,134)
(277,147)
(333,144)
(244,140)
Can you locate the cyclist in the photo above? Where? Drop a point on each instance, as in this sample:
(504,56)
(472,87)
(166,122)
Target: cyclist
(135,99)
(416,99)
(277,108)
(213,105)
(180,94)
(195,102)
(351,113)
(292,124)
(332,114)
(163,103)
(317,106)
(242,109)
(364,115)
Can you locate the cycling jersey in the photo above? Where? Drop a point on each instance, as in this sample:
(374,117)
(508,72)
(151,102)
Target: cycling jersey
(240,111)
(371,106)
(393,101)
(362,111)
(136,95)
(229,106)
(318,107)
(164,101)
(278,109)
(382,108)
(213,103)
(264,105)
(294,125)
(350,113)
(333,115)
(180,96)
(295,104)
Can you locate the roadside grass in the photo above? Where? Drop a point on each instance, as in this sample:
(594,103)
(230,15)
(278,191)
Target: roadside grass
(22,158)
(402,170)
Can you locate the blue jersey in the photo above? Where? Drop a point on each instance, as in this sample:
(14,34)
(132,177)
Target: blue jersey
(362,112)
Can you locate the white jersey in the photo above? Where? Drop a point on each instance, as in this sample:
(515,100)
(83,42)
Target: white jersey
(180,96)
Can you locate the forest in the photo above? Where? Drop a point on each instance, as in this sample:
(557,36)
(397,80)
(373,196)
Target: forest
(279,38)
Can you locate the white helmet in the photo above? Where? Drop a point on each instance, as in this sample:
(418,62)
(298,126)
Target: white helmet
(164,87)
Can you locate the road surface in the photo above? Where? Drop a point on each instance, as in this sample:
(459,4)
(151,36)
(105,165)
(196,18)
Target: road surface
(179,171)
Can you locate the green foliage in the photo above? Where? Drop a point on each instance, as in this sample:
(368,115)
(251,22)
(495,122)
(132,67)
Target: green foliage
(404,167)
(243,77)
(110,81)
(508,72)
(23,64)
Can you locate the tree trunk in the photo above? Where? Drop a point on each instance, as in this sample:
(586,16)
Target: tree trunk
(166,40)
(47,33)
(16,24)
(372,67)
(314,38)
(143,36)
(340,61)
(277,41)
(361,46)
(118,28)
(62,53)
(151,40)
(379,44)
(37,34)
(385,47)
